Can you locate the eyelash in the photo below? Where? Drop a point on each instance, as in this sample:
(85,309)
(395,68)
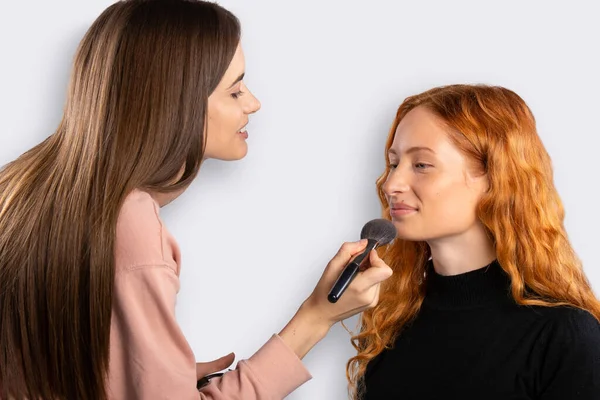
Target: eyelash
(237,94)
(423,166)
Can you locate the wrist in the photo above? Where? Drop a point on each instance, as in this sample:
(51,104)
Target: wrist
(305,330)
(316,317)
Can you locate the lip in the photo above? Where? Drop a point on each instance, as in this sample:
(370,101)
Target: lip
(401,209)
(243,134)
(402,206)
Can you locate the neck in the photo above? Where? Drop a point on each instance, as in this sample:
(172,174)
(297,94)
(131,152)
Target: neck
(468,251)
(165,198)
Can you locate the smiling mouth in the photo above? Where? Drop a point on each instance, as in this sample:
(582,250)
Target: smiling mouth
(400,209)
(401,212)
(243,133)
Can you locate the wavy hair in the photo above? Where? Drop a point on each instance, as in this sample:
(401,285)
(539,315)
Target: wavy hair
(521,211)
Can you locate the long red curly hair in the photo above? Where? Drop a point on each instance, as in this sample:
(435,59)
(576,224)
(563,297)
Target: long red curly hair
(521,211)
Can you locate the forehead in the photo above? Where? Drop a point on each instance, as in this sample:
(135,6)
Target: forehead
(238,59)
(419,127)
(236,67)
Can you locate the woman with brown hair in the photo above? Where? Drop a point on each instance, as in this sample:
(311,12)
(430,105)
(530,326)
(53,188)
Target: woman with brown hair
(488,299)
(89,274)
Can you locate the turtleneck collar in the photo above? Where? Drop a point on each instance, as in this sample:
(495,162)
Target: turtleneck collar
(482,287)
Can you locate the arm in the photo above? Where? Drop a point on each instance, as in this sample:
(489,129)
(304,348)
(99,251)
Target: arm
(151,358)
(316,316)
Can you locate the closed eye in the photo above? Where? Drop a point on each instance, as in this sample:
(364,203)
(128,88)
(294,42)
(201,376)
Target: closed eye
(422,165)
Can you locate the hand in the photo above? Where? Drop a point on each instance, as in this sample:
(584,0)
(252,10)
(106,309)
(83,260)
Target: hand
(317,315)
(361,294)
(207,368)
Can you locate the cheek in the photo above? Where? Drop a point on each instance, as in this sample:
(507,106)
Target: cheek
(215,119)
(447,207)
(455,208)
(232,115)
(448,204)
(224,117)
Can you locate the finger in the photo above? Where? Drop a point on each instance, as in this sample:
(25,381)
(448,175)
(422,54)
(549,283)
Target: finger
(371,302)
(378,272)
(206,368)
(341,259)
(374,257)
(346,252)
(220,363)
(376,296)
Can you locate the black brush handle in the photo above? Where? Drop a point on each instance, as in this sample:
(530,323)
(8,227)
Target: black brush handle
(349,273)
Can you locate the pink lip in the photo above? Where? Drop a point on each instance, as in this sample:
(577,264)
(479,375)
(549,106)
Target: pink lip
(400,209)
(402,206)
(243,134)
(399,213)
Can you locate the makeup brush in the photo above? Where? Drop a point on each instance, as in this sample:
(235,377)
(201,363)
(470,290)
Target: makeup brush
(378,232)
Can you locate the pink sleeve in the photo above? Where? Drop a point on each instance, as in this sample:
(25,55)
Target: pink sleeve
(150,357)
(273,372)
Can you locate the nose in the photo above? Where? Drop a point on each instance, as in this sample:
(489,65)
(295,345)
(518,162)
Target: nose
(252,104)
(395,182)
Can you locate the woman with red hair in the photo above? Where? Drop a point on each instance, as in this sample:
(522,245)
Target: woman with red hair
(488,299)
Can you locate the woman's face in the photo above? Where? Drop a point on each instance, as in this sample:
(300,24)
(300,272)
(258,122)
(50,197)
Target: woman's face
(432,189)
(229,107)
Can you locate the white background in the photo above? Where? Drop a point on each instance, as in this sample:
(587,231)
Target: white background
(257,233)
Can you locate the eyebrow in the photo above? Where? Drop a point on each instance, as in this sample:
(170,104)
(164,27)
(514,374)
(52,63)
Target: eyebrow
(413,150)
(239,78)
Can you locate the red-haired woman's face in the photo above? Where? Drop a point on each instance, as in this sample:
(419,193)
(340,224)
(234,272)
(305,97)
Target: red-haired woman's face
(431,190)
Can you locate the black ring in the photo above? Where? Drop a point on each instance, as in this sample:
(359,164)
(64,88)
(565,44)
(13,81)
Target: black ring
(204,381)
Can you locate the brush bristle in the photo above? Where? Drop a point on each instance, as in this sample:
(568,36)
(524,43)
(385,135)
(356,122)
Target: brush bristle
(381,230)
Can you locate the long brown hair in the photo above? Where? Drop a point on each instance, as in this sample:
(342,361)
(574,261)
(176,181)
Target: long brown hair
(522,212)
(134,116)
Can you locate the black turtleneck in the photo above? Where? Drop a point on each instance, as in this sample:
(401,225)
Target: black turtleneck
(470,340)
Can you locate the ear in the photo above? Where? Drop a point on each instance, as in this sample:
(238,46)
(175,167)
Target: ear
(485,183)
(479,182)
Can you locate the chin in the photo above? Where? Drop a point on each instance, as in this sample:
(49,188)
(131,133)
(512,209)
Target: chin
(232,154)
(239,155)
(404,232)
(412,238)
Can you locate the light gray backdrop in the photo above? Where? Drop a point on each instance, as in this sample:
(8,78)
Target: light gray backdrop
(256,234)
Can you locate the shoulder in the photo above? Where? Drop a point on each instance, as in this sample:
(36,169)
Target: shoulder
(569,357)
(559,330)
(141,237)
(570,325)
(558,319)
(570,336)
